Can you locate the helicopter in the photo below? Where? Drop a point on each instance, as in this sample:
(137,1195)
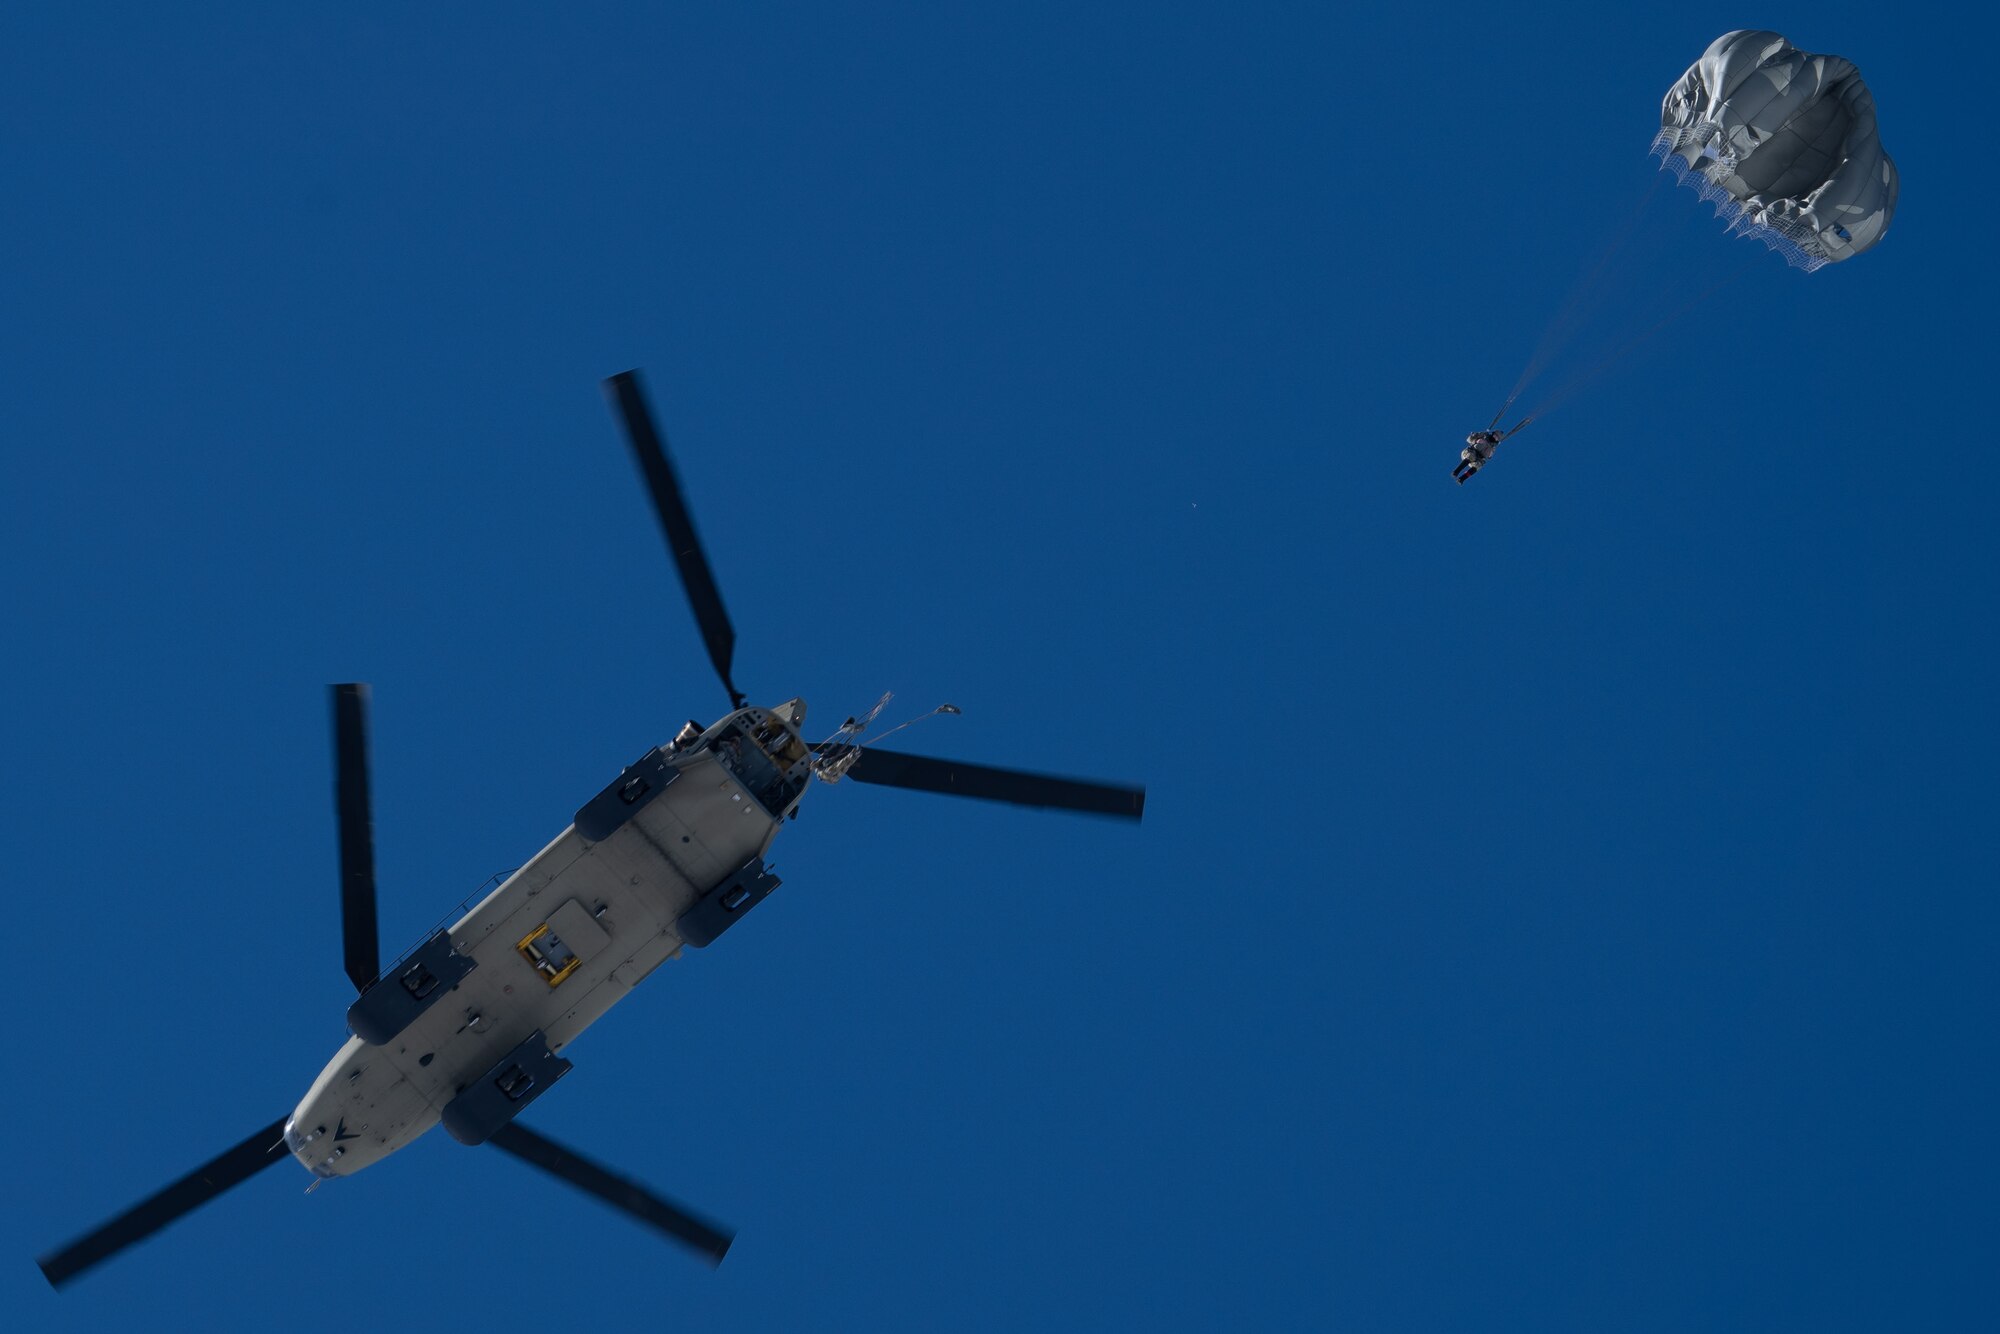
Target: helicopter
(465,1029)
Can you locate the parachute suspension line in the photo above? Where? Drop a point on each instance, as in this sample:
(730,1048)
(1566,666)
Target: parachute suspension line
(1778,234)
(1582,298)
(1569,388)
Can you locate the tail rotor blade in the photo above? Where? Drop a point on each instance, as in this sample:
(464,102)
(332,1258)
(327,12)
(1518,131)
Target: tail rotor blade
(655,1211)
(649,447)
(192,1191)
(361,950)
(956,778)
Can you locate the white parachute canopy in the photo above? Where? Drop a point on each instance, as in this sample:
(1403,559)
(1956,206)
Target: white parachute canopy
(1784,143)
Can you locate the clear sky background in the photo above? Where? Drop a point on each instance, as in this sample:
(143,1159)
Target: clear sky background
(1564,902)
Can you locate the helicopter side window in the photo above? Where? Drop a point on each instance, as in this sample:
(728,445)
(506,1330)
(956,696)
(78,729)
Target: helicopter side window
(779,742)
(735,756)
(743,752)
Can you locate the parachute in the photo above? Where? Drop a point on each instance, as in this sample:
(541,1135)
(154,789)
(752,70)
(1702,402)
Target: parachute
(1784,143)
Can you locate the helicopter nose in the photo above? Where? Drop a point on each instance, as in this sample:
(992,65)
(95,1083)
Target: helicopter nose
(298,1136)
(308,1144)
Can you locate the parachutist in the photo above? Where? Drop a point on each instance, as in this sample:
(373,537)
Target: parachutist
(1479,447)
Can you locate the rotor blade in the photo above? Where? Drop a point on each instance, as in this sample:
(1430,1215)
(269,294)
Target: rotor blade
(649,447)
(357,834)
(956,778)
(616,1191)
(192,1191)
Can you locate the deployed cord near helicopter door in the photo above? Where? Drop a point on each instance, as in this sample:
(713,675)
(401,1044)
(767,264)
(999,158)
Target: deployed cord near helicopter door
(833,757)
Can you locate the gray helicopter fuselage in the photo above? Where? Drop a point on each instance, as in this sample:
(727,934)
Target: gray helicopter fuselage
(562,940)
(466,1028)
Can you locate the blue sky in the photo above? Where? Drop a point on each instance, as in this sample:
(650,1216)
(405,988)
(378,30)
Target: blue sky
(1564,901)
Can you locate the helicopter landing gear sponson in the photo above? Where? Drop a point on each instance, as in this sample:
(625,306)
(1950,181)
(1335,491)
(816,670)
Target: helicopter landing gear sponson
(604,814)
(497,1097)
(722,907)
(391,1004)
